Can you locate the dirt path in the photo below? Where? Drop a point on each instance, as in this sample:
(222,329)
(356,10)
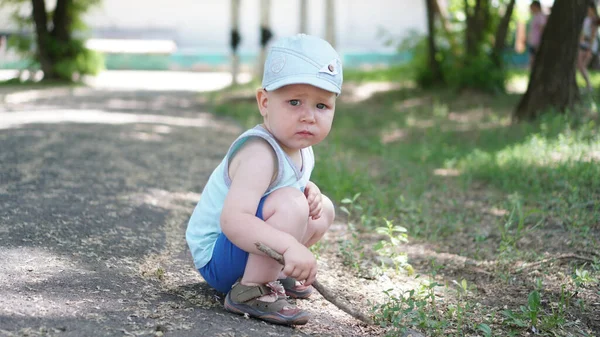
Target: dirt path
(96,187)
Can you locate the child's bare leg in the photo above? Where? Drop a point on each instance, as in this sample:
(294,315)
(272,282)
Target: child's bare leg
(287,210)
(582,61)
(317,228)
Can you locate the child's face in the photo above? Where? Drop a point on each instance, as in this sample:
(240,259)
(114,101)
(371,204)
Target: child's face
(298,115)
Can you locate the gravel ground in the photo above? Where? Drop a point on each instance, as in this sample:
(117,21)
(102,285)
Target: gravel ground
(96,186)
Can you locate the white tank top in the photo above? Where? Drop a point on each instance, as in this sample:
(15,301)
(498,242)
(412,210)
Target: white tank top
(204,225)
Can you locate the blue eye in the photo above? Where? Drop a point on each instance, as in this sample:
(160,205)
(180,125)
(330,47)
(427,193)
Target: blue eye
(294,102)
(321,106)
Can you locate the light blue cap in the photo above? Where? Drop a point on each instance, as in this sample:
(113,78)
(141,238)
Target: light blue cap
(303,59)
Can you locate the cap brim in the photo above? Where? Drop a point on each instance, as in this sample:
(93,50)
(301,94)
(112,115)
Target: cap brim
(312,80)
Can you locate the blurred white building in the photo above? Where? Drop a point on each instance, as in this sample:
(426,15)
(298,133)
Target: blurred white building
(206,23)
(200,29)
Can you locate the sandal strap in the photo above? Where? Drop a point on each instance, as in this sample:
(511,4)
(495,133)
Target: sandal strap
(242,293)
(288,282)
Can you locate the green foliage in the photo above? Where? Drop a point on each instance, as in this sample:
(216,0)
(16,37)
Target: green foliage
(419,308)
(478,72)
(394,236)
(460,69)
(539,174)
(553,158)
(584,277)
(514,229)
(395,73)
(70,59)
(74,58)
(412,308)
(534,318)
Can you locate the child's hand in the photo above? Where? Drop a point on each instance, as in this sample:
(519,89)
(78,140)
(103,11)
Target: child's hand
(315,201)
(300,263)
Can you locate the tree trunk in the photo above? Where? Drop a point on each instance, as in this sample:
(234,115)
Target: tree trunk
(501,33)
(552,81)
(303,28)
(42,37)
(330,22)
(265,34)
(434,65)
(62,21)
(235,40)
(443,16)
(477,19)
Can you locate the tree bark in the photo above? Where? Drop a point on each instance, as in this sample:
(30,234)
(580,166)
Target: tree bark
(330,22)
(478,19)
(62,21)
(235,40)
(501,32)
(434,65)
(552,81)
(442,15)
(265,29)
(303,26)
(40,20)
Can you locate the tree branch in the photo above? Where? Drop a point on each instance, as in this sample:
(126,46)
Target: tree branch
(502,31)
(326,293)
(559,257)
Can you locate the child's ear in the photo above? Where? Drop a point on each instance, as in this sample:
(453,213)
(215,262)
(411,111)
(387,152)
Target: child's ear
(262,100)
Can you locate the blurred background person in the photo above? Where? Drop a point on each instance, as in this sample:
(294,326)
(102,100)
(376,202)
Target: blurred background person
(588,45)
(535,29)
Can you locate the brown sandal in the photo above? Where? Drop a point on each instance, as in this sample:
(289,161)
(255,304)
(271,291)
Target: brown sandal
(243,299)
(293,290)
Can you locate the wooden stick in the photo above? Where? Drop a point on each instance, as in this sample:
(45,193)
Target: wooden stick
(326,293)
(559,257)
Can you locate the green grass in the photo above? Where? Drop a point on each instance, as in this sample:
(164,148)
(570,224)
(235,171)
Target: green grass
(436,162)
(390,147)
(395,73)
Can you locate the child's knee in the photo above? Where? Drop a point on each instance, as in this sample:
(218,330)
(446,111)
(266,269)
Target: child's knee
(328,210)
(289,202)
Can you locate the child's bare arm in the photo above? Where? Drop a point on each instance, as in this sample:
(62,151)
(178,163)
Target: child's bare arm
(251,172)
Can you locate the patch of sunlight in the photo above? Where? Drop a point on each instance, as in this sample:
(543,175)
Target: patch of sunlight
(393,135)
(33,265)
(17,119)
(517,85)
(132,46)
(446,172)
(165,80)
(25,272)
(37,94)
(496,211)
(539,151)
(419,123)
(410,103)
(363,91)
(158,103)
(475,119)
(164,199)
(8,74)
(477,204)
(469,116)
(476,126)
(143,136)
